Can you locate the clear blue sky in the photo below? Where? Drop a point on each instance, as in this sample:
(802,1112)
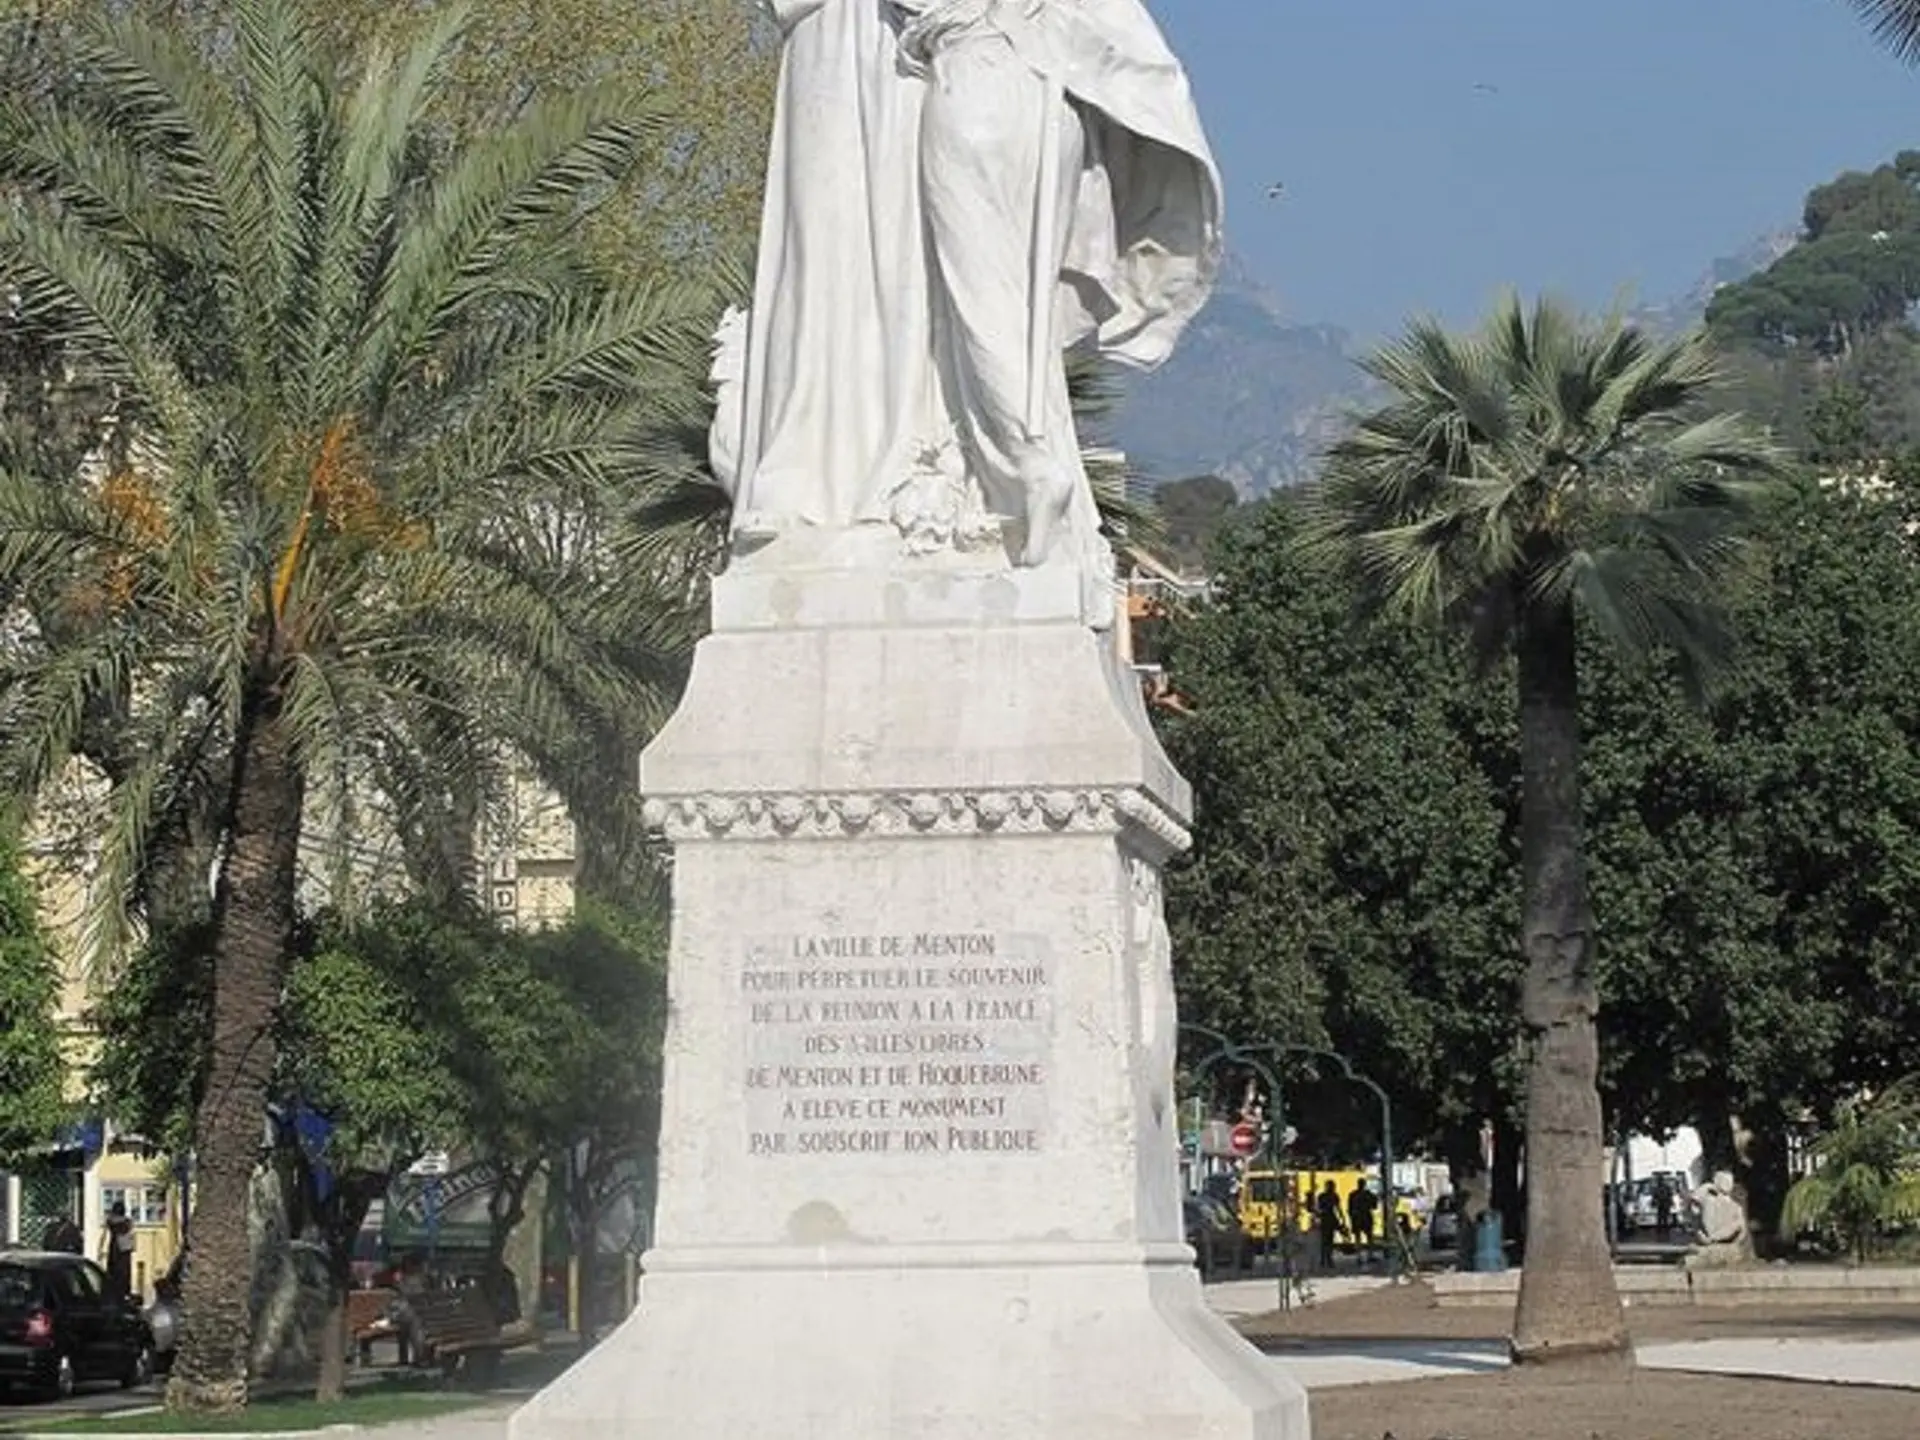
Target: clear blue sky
(1629,143)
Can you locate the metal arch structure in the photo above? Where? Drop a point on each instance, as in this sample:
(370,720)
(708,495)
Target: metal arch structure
(1227,1049)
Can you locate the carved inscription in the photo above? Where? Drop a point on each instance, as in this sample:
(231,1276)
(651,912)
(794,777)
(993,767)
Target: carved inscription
(927,1043)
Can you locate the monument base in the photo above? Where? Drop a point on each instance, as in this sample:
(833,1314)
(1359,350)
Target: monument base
(1041,1345)
(918,1163)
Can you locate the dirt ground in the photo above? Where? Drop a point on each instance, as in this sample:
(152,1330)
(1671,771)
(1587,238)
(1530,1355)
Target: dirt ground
(1594,1401)
(1585,1403)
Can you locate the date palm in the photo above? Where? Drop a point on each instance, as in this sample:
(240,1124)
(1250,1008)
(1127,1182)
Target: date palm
(1537,472)
(356,397)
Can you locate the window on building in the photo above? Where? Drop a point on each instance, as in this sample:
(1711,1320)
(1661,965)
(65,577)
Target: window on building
(146,1204)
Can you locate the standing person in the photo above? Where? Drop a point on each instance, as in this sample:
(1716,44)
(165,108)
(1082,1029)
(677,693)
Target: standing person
(1663,1204)
(1326,1207)
(1361,1205)
(116,1252)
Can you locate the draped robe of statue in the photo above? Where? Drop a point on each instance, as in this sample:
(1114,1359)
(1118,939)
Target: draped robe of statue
(887,366)
(840,384)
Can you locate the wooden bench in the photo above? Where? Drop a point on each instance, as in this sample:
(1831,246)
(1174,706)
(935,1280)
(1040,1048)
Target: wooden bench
(457,1330)
(369,1318)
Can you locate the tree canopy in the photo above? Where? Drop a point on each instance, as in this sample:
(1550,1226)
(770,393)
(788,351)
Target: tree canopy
(1751,859)
(32,1059)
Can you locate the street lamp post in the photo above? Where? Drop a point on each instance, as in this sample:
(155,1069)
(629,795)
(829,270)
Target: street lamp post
(1232,1050)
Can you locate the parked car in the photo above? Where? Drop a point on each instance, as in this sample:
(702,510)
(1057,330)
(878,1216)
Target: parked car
(59,1326)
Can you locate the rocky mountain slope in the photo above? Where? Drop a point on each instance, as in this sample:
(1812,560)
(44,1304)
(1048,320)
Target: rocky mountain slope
(1247,395)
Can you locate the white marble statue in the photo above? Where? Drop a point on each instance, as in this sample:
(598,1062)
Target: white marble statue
(1721,1226)
(958,193)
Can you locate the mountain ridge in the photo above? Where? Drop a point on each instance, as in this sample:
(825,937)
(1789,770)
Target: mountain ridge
(1255,398)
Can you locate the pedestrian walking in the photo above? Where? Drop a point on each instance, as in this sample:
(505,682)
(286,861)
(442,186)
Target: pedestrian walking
(1331,1222)
(1361,1207)
(116,1252)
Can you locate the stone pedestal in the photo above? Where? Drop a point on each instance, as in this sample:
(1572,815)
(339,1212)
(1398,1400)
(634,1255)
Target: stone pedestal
(918,1170)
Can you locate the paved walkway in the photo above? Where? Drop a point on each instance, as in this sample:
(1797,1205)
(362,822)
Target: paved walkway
(1894,1363)
(1323,1364)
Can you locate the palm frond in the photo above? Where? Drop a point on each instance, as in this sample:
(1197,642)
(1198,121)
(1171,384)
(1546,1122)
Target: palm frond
(1807,1205)
(499,189)
(1896,24)
(65,274)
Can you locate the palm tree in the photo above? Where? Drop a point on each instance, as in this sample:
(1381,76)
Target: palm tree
(1866,1173)
(353,397)
(1541,471)
(1896,23)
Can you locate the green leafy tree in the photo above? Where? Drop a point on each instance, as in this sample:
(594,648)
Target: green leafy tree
(1192,513)
(1866,1174)
(351,392)
(1827,295)
(365,1047)
(1539,470)
(32,1062)
(1821,720)
(1852,276)
(154,1025)
(1350,883)
(610,965)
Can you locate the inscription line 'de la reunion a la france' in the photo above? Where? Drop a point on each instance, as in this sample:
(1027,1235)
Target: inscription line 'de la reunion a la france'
(922,1043)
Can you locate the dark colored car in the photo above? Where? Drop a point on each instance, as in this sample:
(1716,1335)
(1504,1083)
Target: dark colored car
(60,1328)
(1213,1230)
(1443,1225)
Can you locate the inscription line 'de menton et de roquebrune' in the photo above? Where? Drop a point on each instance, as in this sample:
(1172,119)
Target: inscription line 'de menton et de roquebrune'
(881,1044)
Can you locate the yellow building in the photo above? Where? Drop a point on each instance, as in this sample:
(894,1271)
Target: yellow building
(84,1172)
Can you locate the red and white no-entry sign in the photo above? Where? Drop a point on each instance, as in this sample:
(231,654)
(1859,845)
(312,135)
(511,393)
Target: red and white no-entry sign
(1246,1138)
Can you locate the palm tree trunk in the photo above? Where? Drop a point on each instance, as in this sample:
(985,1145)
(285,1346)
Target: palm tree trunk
(252,935)
(1568,1302)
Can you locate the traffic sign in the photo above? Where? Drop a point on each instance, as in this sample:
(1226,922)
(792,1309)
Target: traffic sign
(1246,1138)
(1216,1139)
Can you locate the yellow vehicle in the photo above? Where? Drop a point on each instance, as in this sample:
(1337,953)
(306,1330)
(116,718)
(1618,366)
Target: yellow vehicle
(1269,1197)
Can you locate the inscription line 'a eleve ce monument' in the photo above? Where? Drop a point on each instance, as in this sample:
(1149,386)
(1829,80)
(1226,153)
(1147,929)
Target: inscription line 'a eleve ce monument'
(918,1165)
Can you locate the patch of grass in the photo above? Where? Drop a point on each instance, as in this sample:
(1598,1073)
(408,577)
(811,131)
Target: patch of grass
(376,1405)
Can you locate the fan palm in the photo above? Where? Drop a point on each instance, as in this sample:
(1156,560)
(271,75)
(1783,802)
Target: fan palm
(1896,23)
(1866,1173)
(355,400)
(1538,470)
